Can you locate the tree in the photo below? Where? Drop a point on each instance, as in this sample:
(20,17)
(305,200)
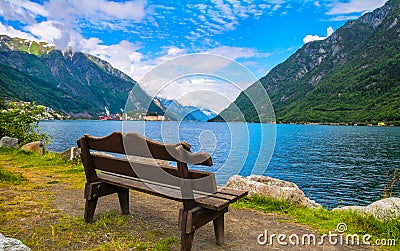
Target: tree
(21,121)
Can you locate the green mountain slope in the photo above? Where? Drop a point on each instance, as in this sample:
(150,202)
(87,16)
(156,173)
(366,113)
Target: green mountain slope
(76,84)
(353,76)
(21,86)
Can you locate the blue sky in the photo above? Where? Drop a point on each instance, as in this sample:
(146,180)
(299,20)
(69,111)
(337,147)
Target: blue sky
(135,36)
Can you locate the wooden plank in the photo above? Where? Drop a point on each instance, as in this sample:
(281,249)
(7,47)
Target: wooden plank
(111,143)
(198,217)
(235,192)
(231,198)
(139,185)
(113,165)
(138,145)
(124,166)
(212,203)
(100,189)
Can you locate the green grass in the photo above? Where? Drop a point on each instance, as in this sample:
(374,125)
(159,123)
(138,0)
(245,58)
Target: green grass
(14,178)
(325,220)
(28,209)
(51,167)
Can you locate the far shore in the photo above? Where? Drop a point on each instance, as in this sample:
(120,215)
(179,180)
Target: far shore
(380,124)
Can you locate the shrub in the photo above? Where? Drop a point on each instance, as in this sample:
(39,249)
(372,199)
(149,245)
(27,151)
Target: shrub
(21,121)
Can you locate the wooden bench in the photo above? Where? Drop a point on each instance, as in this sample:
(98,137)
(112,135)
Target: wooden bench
(140,169)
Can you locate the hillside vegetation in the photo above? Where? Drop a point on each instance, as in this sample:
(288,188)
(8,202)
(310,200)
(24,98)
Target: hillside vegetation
(353,76)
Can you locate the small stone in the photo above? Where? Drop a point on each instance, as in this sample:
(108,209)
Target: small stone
(9,142)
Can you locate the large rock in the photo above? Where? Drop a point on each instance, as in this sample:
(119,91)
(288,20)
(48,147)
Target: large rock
(36,146)
(271,187)
(11,244)
(384,209)
(9,142)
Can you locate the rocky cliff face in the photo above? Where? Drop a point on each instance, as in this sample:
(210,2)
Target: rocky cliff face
(349,77)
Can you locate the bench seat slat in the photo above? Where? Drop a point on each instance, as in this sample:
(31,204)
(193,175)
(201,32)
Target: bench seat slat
(122,166)
(213,203)
(231,198)
(235,192)
(136,184)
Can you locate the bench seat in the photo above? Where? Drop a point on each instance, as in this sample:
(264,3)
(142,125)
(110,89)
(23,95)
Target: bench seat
(217,201)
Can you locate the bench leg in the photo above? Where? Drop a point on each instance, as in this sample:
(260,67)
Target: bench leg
(186,238)
(219,229)
(90,207)
(186,241)
(123,197)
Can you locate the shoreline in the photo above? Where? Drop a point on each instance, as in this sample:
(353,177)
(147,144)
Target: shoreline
(275,123)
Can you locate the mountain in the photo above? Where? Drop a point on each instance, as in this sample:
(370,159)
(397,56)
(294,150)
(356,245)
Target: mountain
(177,111)
(74,83)
(353,76)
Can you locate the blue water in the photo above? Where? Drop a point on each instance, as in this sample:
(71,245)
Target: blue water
(334,165)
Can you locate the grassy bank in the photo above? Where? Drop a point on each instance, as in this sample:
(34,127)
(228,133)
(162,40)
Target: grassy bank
(325,220)
(29,185)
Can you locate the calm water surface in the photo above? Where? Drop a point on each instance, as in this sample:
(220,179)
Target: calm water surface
(334,165)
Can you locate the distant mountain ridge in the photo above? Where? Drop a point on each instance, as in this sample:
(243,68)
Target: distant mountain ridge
(353,76)
(177,111)
(74,83)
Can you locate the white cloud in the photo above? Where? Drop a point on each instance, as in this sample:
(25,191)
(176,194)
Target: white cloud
(237,52)
(310,38)
(329,31)
(46,31)
(202,91)
(35,8)
(121,56)
(221,16)
(95,10)
(13,10)
(11,32)
(64,18)
(317,4)
(355,6)
(344,18)
(203,80)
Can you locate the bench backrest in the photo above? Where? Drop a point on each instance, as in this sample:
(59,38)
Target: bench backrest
(140,161)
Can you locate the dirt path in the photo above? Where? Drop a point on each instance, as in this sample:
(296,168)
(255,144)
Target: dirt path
(242,226)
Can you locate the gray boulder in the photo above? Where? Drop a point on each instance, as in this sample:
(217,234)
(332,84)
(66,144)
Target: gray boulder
(271,187)
(11,244)
(384,209)
(9,142)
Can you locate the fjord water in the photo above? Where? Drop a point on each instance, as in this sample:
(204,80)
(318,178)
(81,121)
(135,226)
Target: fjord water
(334,165)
